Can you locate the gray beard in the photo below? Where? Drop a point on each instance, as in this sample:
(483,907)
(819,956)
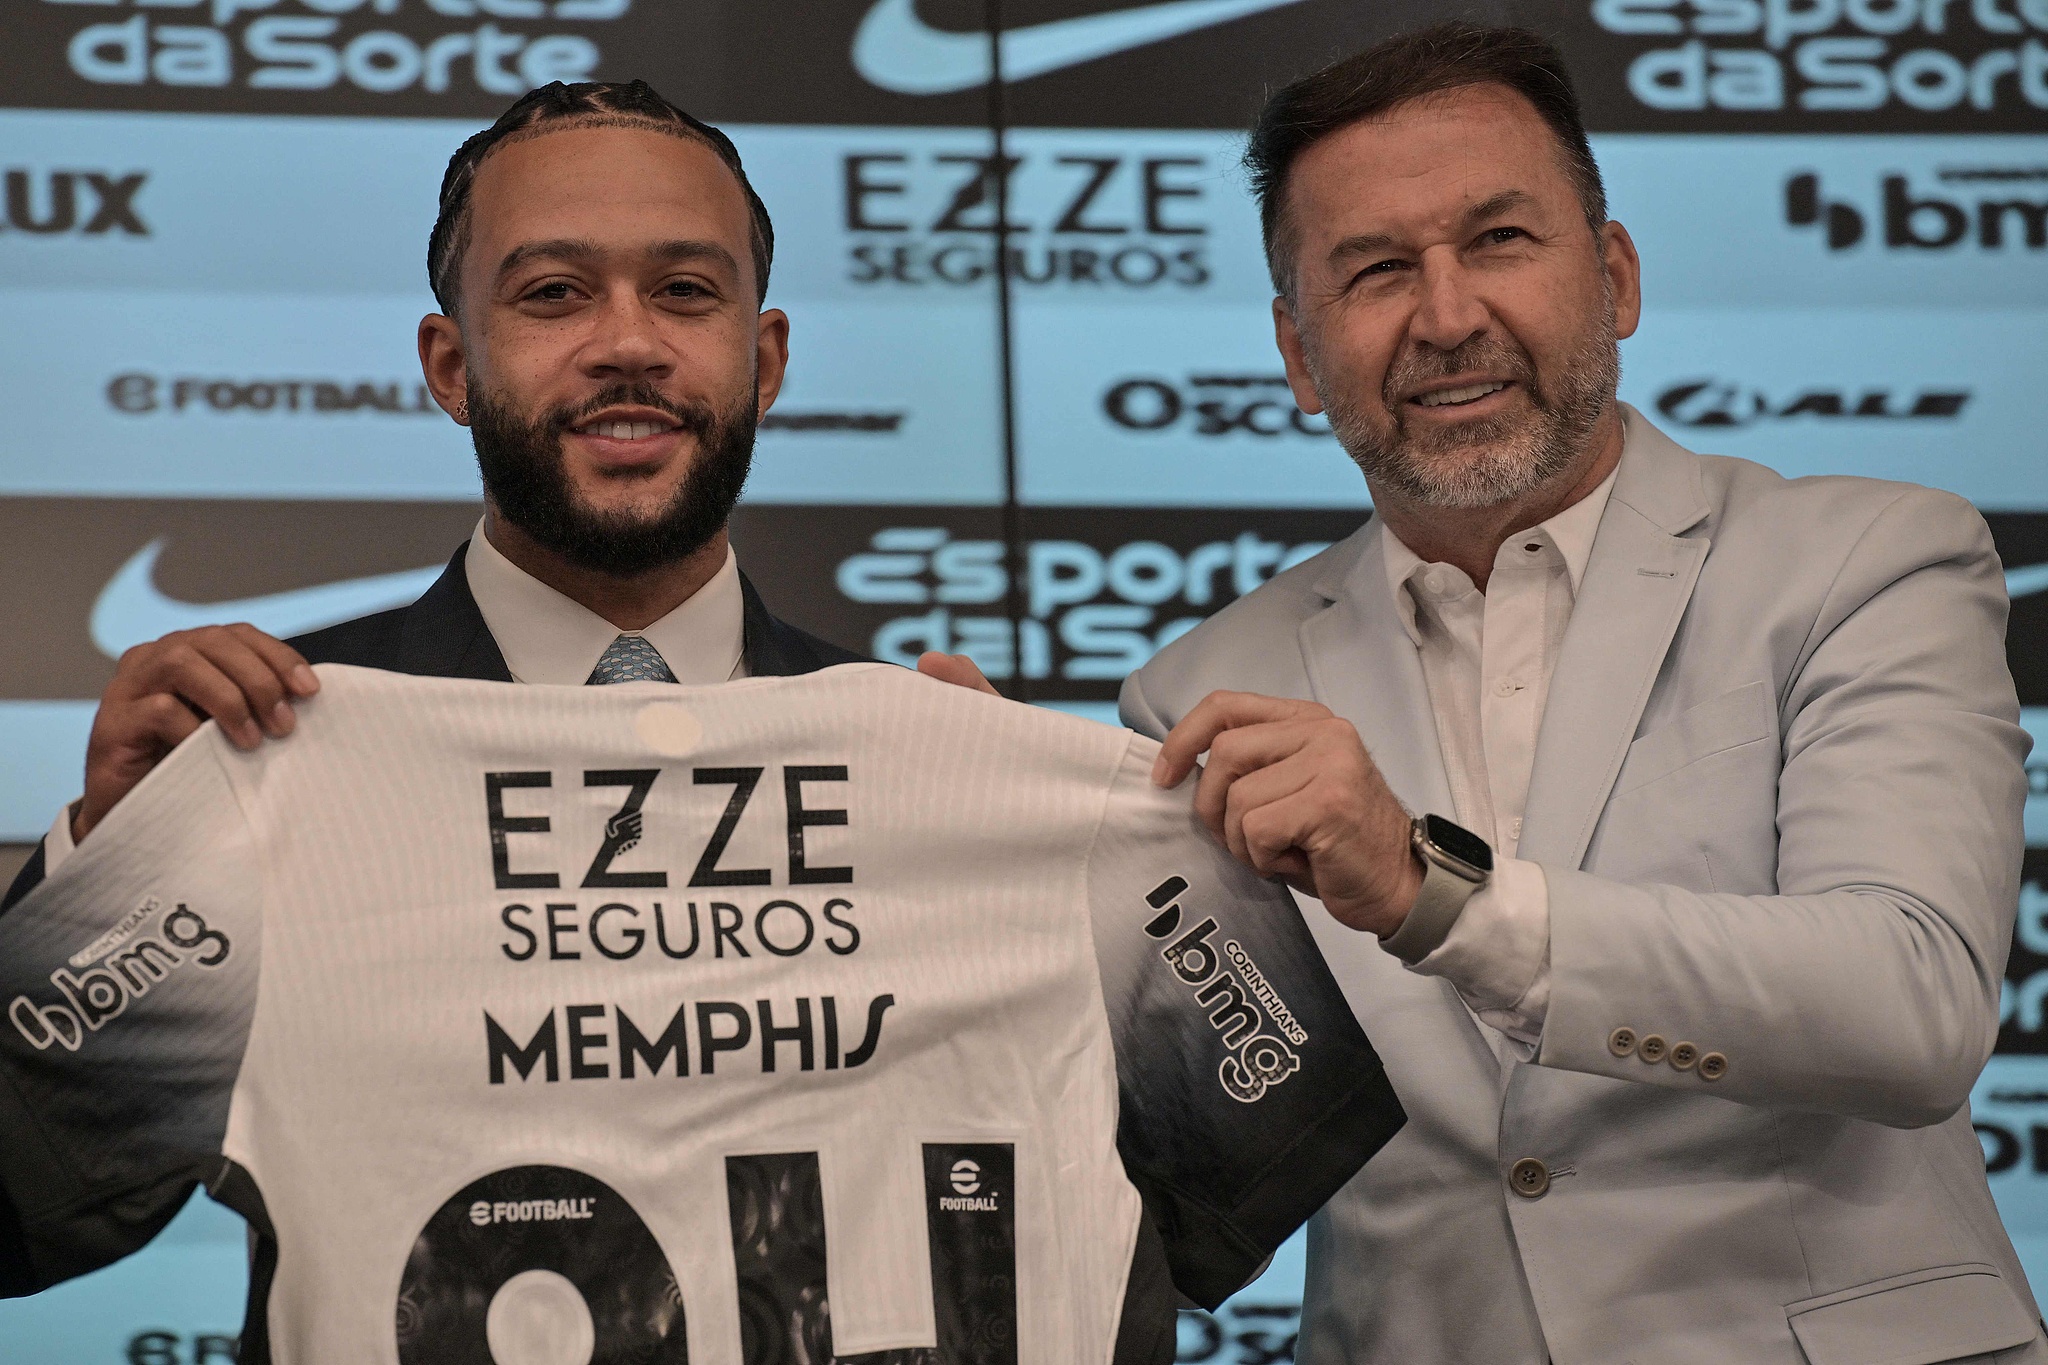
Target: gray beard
(1483,464)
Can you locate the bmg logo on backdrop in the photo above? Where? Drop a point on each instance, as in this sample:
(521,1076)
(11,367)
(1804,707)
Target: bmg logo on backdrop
(1986,208)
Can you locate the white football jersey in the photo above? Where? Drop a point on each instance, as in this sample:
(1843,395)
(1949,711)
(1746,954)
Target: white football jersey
(789,1019)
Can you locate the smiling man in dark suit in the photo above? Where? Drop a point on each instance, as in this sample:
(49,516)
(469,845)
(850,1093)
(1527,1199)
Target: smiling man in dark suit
(600,261)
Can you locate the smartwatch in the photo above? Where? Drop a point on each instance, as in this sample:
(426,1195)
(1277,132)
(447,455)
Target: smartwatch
(1456,863)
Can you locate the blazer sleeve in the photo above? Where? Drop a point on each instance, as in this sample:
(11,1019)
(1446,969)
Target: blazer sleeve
(130,980)
(1869,985)
(1135,709)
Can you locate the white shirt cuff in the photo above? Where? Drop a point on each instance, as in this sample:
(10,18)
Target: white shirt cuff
(1497,955)
(57,845)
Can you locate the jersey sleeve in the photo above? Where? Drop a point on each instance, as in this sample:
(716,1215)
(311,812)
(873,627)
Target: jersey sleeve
(128,981)
(1248,1092)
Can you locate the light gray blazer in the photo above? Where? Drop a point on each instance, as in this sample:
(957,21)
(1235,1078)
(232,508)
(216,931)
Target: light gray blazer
(1777,798)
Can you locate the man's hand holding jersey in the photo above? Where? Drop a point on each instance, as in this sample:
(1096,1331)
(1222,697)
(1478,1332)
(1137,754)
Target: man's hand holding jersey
(1291,791)
(166,689)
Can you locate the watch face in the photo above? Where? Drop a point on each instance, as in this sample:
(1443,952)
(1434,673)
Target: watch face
(1459,842)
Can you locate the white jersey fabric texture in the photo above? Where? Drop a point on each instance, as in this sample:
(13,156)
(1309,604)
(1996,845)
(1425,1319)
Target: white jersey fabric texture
(782,1019)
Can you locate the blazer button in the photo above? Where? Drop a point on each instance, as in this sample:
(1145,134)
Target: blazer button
(1622,1041)
(1652,1048)
(1529,1178)
(1683,1055)
(1713,1066)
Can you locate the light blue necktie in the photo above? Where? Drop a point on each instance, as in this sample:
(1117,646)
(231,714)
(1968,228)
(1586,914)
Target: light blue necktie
(629,659)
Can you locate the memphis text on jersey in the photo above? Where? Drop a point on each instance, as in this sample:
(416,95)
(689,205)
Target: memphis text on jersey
(636,912)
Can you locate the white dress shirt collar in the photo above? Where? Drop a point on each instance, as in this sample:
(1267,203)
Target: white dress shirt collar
(1570,533)
(549,638)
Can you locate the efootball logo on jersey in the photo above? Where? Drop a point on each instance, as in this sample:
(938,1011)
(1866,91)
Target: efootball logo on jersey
(122,965)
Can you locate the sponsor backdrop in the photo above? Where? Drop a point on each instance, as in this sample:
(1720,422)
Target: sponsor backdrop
(213,216)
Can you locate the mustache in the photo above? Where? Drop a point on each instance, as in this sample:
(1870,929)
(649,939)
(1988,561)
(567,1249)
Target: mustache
(696,418)
(1419,365)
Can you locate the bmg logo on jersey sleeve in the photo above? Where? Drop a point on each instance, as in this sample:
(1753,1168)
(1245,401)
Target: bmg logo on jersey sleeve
(1238,1000)
(122,965)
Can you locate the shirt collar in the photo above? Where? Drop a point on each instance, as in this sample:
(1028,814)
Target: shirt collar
(1571,531)
(547,637)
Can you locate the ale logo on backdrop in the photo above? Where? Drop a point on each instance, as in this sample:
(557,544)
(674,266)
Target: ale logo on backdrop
(1709,403)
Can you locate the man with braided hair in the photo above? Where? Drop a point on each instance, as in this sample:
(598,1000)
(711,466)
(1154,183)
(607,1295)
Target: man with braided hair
(601,262)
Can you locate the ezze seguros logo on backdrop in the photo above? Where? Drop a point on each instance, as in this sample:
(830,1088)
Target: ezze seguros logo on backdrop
(1107,221)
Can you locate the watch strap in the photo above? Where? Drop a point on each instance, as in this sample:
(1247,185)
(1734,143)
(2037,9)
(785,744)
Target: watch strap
(1437,907)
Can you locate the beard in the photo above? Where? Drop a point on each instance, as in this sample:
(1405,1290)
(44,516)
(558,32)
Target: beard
(525,475)
(1484,463)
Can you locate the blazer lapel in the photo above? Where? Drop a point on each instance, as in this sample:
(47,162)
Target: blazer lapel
(1362,664)
(444,635)
(1637,584)
(770,648)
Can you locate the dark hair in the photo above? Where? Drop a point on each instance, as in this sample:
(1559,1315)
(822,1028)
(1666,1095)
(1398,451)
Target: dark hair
(614,104)
(1409,66)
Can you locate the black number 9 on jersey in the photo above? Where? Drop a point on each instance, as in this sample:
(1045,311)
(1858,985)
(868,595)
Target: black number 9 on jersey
(543,1265)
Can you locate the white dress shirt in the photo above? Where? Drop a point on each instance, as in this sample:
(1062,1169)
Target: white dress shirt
(548,638)
(1487,660)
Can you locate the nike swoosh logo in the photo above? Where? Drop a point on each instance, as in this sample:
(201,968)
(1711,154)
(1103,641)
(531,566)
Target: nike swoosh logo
(132,610)
(898,51)
(2026,580)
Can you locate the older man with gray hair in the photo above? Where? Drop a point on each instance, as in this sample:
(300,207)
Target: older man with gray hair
(1665,813)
